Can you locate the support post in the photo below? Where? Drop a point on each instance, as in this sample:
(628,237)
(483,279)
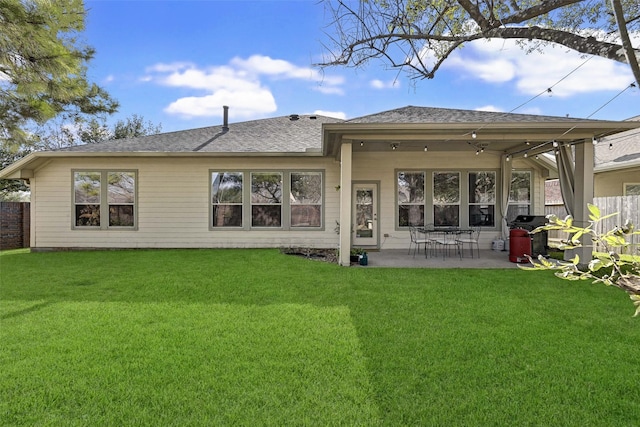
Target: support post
(346,156)
(583,194)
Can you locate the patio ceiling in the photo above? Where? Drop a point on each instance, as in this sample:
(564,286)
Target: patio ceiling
(507,137)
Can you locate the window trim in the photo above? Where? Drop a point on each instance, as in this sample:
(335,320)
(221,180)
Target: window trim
(104,200)
(285,224)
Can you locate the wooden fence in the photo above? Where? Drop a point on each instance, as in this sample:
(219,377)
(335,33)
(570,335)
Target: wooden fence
(627,207)
(14,225)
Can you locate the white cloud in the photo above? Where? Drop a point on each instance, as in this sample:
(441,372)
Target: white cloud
(379,84)
(239,84)
(491,108)
(500,61)
(335,114)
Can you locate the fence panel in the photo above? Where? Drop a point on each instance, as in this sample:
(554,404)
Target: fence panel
(627,207)
(14,225)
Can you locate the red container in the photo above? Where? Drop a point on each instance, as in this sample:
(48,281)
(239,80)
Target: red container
(519,245)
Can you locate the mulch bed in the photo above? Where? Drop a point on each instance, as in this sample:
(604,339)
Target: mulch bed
(316,254)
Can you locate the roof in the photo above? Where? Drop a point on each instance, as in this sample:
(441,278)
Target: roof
(286,134)
(413,114)
(314,135)
(619,151)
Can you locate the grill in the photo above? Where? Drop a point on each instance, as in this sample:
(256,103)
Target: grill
(539,240)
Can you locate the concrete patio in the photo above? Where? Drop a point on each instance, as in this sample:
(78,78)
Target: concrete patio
(400,258)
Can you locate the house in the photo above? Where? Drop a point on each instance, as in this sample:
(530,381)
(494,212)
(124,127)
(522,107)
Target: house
(304,180)
(617,164)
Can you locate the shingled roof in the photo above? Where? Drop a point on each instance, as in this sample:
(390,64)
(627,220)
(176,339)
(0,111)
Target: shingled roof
(285,134)
(412,114)
(618,151)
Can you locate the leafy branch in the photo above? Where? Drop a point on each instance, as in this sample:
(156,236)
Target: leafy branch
(618,264)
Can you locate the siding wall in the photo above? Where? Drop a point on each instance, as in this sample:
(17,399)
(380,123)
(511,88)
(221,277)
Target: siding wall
(174,196)
(607,184)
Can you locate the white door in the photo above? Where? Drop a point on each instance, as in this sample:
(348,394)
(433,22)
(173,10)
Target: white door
(365,215)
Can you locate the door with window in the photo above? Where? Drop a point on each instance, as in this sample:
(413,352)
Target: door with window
(365,214)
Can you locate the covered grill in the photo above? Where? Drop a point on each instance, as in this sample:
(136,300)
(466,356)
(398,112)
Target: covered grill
(539,240)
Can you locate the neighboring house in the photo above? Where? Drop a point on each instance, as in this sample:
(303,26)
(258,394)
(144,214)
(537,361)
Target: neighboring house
(617,164)
(304,180)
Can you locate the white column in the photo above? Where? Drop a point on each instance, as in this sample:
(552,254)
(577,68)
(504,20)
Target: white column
(583,194)
(346,155)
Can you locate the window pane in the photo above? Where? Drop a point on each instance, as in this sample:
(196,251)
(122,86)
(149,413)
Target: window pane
(266,188)
(446,215)
(632,189)
(411,215)
(482,215)
(411,187)
(516,210)
(482,187)
(121,188)
(306,188)
(227,215)
(266,215)
(446,187)
(87,215)
(87,187)
(121,215)
(520,187)
(226,187)
(305,216)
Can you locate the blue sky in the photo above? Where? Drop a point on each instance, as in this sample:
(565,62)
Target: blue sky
(176,63)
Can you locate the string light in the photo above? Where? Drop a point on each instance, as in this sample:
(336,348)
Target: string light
(611,146)
(426,148)
(474,135)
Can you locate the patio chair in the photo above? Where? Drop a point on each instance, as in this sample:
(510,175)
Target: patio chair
(416,241)
(471,238)
(445,241)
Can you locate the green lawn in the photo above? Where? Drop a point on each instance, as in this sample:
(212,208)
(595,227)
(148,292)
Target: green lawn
(255,337)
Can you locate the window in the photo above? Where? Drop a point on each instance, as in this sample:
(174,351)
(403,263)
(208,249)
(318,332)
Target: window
(306,199)
(632,189)
(104,194)
(226,197)
(121,198)
(519,195)
(482,198)
(87,199)
(278,199)
(411,199)
(266,199)
(446,198)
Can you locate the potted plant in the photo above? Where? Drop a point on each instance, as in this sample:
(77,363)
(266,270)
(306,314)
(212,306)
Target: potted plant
(356,254)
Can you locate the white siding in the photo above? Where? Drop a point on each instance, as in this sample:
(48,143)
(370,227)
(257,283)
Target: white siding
(172,206)
(173,203)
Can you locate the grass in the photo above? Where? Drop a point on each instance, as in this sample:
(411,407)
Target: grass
(255,337)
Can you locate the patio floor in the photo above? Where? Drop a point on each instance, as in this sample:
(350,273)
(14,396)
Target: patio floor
(400,258)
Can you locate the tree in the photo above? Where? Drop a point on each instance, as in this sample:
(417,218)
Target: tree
(57,134)
(43,67)
(419,35)
(621,270)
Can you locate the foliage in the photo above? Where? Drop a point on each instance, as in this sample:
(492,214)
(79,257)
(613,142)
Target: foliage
(231,336)
(9,188)
(43,66)
(608,267)
(419,35)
